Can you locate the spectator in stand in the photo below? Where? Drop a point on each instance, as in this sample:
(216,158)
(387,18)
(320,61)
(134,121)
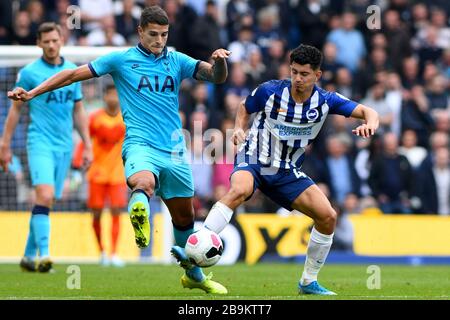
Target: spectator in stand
(340,174)
(409,148)
(415,114)
(202,169)
(126,22)
(22,33)
(437,93)
(434,184)
(312,19)
(93,12)
(267,30)
(107,35)
(255,69)
(205,35)
(398,39)
(329,66)
(376,98)
(348,37)
(242,47)
(391,178)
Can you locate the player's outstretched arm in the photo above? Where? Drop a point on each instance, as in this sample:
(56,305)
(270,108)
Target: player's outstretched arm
(61,79)
(5,141)
(371,121)
(240,124)
(218,72)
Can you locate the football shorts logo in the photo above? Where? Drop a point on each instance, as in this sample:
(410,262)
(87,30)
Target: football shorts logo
(312,114)
(242,165)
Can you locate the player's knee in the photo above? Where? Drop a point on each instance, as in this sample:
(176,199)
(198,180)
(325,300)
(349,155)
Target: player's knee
(144,183)
(329,219)
(239,193)
(45,198)
(184,218)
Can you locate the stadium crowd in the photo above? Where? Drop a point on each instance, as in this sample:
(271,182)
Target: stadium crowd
(402,70)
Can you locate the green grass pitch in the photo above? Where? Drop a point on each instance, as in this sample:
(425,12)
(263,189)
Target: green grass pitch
(258,282)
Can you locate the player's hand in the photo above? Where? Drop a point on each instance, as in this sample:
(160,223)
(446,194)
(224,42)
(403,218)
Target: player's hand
(238,136)
(88,156)
(220,54)
(19,94)
(365,130)
(5,156)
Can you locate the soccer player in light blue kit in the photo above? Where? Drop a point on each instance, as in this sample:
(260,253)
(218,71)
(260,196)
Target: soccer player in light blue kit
(49,142)
(148,79)
(288,116)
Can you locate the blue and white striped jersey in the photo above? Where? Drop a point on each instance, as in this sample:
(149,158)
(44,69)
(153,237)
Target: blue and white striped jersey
(283,128)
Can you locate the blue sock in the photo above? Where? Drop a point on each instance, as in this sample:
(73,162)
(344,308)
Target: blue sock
(181,235)
(31,247)
(139,195)
(41,228)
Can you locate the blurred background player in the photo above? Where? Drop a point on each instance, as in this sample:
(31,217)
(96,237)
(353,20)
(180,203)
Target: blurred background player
(49,145)
(148,77)
(106,176)
(289,115)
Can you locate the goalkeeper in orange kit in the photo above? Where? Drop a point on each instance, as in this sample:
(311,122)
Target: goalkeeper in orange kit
(106,176)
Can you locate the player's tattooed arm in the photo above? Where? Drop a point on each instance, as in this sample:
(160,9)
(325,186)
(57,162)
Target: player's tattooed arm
(216,73)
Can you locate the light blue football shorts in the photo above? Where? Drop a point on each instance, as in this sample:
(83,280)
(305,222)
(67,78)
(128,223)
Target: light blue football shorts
(49,167)
(172,172)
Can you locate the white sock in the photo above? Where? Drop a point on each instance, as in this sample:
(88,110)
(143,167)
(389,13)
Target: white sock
(218,217)
(318,248)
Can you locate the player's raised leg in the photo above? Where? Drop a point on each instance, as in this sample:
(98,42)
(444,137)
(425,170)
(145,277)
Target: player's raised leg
(242,187)
(182,212)
(143,185)
(315,204)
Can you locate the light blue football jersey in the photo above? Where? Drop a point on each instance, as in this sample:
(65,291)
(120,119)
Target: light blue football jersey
(148,89)
(51,113)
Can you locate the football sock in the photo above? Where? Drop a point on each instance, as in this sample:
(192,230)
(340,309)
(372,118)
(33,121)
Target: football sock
(30,248)
(218,217)
(318,248)
(115,228)
(139,195)
(41,228)
(98,232)
(181,235)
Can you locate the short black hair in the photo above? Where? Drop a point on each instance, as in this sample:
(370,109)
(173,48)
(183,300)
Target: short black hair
(153,14)
(305,54)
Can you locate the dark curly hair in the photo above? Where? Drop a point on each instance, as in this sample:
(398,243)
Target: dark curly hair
(305,54)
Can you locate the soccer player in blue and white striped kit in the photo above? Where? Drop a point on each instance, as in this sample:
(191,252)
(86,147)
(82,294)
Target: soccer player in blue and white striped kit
(148,79)
(289,115)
